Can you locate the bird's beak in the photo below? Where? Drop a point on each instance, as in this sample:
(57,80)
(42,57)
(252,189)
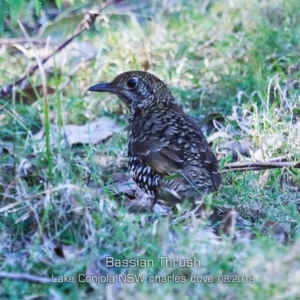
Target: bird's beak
(110,88)
(103,87)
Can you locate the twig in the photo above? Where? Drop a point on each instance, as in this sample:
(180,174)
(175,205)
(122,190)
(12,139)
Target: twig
(22,40)
(255,166)
(25,277)
(281,158)
(86,23)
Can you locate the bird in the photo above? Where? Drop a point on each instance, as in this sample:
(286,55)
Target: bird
(168,155)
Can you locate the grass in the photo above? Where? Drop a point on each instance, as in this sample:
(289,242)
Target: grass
(214,56)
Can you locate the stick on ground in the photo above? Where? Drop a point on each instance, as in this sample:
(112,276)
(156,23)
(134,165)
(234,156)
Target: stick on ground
(25,277)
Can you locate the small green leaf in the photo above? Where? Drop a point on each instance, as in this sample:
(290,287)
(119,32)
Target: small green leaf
(38,7)
(58,4)
(15,9)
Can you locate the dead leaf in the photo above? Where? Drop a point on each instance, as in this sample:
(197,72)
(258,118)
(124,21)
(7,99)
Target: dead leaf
(260,155)
(280,231)
(267,146)
(237,148)
(30,94)
(264,178)
(105,161)
(229,221)
(71,56)
(68,252)
(218,135)
(123,184)
(91,133)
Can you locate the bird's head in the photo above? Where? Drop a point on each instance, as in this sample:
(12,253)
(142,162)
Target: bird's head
(137,89)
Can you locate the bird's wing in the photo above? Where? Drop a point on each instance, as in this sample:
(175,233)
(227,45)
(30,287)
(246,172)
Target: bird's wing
(163,157)
(209,161)
(167,158)
(160,155)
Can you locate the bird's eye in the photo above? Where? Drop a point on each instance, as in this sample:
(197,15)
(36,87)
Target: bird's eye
(131,83)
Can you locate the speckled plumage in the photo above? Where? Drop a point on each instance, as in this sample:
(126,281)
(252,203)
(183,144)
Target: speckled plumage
(168,156)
